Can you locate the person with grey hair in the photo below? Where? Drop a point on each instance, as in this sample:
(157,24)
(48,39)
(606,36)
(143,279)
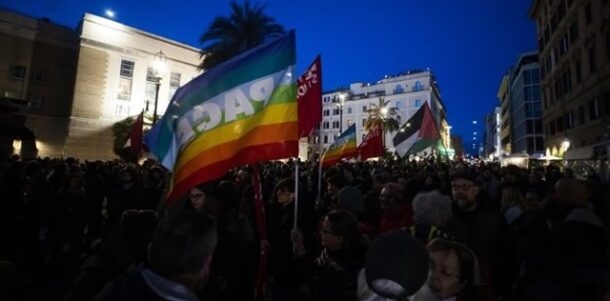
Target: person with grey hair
(431,212)
(396,267)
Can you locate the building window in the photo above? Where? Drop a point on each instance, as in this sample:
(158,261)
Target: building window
(349,110)
(125,81)
(174,80)
(418,103)
(552,127)
(349,122)
(336,111)
(335,124)
(607,101)
(121,110)
(16,72)
(364,109)
(418,86)
(581,115)
(363,121)
(574,32)
(174,84)
(127,68)
(39,77)
(578,71)
(35,102)
(559,124)
(592,61)
(588,15)
(399,104)
(325,125)
(325,138)
(569,120)
(399,89)
(608,45)
(326,112)
(593,109)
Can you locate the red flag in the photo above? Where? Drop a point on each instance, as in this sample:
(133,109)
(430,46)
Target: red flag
(134,140)
(309,98)
(372,145)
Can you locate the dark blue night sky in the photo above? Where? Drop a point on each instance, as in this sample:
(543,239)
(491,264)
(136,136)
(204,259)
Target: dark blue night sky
(468,44)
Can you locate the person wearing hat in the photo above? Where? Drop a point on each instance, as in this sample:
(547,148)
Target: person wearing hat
(483,230)
(395,268)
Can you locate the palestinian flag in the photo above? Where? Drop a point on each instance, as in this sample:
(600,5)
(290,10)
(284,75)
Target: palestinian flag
(419,133)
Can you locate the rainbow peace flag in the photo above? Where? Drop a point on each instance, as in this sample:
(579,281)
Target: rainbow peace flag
(240,112)
(343,147)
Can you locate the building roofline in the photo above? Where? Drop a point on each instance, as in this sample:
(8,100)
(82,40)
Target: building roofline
(120,26)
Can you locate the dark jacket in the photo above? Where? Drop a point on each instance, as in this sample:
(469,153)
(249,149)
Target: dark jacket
(143,285)
(485,231)
(334,274)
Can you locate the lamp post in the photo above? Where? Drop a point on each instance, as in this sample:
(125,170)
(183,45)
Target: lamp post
(159,66)
(340,105)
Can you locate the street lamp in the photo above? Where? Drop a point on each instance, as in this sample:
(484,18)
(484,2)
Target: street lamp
(160,60)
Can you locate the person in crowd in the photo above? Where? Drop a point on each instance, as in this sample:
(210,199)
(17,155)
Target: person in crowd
(431,213)
(396,211)
(179,260)
(484,230)
(285,280)
(333,274)
(126,250)
(454,274)
(489,182)
(197,197)
(129,194)
(513,204)
(396,267)
(234,263)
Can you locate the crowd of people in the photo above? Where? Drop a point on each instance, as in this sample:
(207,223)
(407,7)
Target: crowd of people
(380,230)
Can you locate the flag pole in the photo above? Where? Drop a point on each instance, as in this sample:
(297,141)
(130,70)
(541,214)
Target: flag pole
(296,191)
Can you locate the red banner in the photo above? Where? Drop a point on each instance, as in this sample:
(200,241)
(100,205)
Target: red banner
(372,145)
(309,98)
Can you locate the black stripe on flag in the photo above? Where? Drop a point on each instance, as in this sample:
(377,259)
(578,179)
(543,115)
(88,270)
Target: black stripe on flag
(414,124)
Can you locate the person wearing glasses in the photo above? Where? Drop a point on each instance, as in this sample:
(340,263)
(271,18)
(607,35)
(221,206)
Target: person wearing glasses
(484,230)
(333,274)
(454,274)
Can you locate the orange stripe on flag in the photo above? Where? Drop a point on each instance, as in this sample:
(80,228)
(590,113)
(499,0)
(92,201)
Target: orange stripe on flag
(259,135)
(245,155)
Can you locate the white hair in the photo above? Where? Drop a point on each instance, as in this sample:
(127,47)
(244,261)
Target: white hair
(432,208)
(365,293)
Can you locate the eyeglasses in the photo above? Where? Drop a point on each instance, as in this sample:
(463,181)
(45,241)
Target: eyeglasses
(325,231)
(195,195)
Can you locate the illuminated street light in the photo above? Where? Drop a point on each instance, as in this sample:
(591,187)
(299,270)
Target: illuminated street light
(160,61)
(384,111)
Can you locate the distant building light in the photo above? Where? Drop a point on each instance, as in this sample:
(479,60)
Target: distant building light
(110,13)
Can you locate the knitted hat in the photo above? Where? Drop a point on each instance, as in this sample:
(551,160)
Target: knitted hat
(399,258)
(467,175)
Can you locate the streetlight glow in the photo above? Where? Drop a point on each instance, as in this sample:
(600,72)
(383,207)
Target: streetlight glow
(109,13)
(384,111)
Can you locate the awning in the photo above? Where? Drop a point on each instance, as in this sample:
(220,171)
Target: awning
(581,153)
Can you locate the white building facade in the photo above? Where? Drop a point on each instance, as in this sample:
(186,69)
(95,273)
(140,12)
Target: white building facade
(406,92)
(114,80)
